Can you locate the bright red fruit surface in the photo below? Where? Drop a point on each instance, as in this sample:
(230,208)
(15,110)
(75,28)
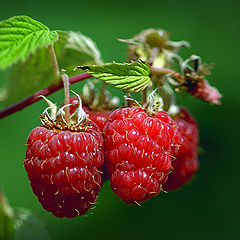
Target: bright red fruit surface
(64,169)
(100,118)
(186,163)
(138,152)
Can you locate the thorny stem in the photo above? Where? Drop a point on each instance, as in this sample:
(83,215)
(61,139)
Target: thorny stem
(65,79)
(45,92)
(57,76)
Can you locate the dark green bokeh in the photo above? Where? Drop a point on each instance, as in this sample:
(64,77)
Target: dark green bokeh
(206,209)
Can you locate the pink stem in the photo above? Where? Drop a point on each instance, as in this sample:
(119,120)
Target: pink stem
(65,79)
(45,92)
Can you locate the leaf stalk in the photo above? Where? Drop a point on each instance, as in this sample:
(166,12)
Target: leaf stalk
(56,71)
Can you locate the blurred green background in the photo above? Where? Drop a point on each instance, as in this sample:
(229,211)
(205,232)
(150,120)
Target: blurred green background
(209,208)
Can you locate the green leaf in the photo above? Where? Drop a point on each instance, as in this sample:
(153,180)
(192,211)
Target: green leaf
(6,219)
(133,77)
(35,73)
(29,226)
(20,36)
(26,78)
(76,42)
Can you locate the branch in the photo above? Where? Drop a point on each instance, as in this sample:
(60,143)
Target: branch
(158,72)
(45,92)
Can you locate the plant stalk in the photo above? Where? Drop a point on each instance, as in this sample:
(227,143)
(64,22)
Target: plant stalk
(65,79)
(158,72)
(102,94)
(45,92)
(56,71)
(144,97)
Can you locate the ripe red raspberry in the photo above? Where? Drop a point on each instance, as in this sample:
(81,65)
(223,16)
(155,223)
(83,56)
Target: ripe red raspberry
(100,118)
(64,166)
(186,163)
(138,152)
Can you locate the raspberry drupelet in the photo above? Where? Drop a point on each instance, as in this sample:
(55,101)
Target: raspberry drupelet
(138,152)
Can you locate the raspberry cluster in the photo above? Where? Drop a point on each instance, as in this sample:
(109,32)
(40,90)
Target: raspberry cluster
(141,153)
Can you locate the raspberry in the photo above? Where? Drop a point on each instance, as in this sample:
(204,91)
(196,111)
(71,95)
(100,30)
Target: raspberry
(100,118)
(138,152)
(186,163)
(64,168)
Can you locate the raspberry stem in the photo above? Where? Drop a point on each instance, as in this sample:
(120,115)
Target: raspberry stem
(53,88)
(57,76)
(45,92)
(144,97)
(158,72)
(102,94)
(65,79)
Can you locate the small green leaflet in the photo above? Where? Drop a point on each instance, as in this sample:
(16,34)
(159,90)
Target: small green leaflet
(132,77)
(28,226)
(83,44)
(19,224)
(20,36)
(6,218)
